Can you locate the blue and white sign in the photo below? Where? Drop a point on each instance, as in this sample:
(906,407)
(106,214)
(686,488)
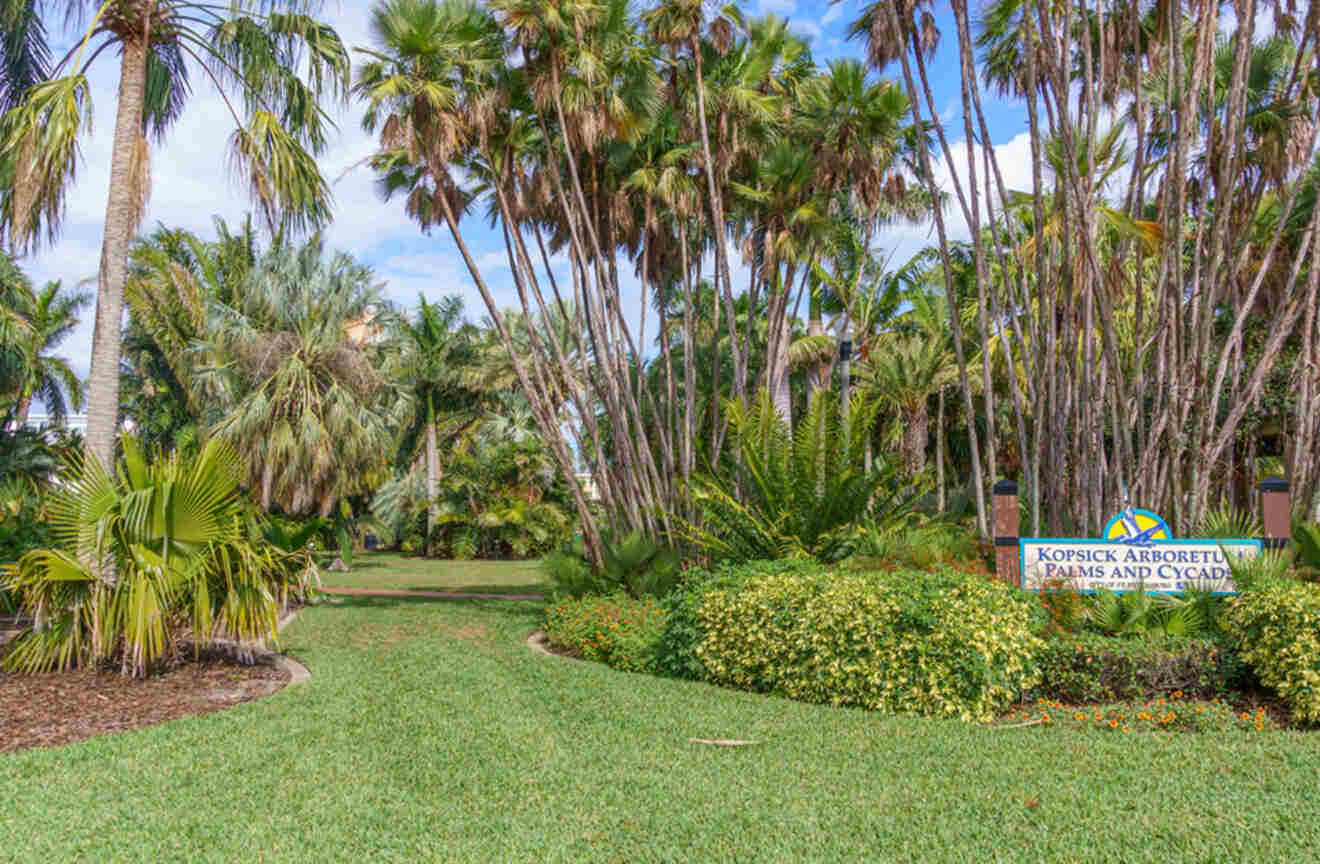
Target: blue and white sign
(1167,566)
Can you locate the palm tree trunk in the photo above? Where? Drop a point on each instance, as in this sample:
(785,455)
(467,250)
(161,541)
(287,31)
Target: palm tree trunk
(916,425)
(121,211)
(432,474)
(717,231)
(24,405)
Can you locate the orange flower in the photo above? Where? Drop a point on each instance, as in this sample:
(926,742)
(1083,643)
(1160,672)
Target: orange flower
(1177,694)
(1200,708)
(1246,716)
(1125,728)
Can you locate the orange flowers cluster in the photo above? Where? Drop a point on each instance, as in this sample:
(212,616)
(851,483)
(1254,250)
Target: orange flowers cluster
(1174,713)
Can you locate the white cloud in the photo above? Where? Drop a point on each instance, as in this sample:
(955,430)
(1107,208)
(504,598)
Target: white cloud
(782,8)
(806,27)
(831,14)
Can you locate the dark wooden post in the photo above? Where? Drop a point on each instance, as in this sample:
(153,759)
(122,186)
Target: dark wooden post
(1007,529)
(1275,512)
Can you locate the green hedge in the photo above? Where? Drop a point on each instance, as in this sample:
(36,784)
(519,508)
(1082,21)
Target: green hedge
(943,644)
(1086,667)
(1277,631)
(676,649)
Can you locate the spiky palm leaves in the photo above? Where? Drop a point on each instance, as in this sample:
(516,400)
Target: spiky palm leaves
(158,545)
(33,322)
(804,492)
(51,314)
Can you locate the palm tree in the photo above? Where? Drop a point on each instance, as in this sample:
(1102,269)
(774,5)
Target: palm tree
(437,347)
(275,56)
(677,24)
(305,379)
(51,315)
(161,540)
(905,371)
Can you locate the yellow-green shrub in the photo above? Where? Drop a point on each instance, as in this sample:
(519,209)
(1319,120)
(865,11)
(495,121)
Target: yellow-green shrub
(944,644)
(1278,633)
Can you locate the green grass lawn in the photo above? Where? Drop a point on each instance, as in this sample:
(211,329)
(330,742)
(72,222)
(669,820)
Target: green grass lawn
(391,570)
(429,732)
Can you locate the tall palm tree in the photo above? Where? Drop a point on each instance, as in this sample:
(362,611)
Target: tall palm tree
(51,314)
(274,55)
(437,346)
(677,24)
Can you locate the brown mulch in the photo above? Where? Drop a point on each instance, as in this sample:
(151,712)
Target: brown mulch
(62,707)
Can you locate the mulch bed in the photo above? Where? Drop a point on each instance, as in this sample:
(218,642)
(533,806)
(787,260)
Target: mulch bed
(61,707)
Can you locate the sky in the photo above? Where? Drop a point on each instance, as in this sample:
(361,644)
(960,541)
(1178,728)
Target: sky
(191,183)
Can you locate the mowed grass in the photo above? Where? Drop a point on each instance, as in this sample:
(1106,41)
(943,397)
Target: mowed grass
(429,732)
(391,570)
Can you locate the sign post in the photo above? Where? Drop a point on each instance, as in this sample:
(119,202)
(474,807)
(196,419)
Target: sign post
(1007,529)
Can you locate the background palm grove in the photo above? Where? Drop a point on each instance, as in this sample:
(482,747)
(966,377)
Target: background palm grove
(697,294)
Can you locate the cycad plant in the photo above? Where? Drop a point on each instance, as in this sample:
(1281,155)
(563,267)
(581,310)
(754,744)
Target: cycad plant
(156,547)
(804,493)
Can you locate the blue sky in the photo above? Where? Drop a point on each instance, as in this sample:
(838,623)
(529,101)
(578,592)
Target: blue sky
(191,182)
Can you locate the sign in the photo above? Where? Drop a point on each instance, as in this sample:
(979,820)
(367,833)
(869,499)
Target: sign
(1138,552)
(1158,565)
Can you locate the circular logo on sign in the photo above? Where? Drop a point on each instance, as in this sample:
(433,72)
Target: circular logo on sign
(1137,526)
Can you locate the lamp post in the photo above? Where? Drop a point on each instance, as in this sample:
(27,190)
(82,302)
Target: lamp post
(845,360)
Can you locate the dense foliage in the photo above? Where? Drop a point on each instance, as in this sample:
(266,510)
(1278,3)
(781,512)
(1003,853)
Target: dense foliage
(943,644)
(1087,668)
(161,543)
(1277,632)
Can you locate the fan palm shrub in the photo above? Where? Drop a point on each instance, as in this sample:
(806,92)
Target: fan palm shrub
(804,493)
(158,547)
(1144,614)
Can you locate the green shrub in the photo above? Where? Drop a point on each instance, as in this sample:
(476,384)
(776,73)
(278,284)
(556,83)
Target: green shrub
(676,653)
(943,644)
(615,629)
(23,522)
(920,547)
(1145,614)
(1277,632)
(1090,668)
(635,565)
(1307,540)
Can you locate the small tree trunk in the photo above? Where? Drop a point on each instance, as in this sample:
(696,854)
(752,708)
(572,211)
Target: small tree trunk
(941,501)
(121,212)
(432,474)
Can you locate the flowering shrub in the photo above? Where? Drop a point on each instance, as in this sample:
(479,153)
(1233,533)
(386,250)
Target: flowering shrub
(1174,714)
(1277,631)
(943,643)
(615,629)
(1086,667)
